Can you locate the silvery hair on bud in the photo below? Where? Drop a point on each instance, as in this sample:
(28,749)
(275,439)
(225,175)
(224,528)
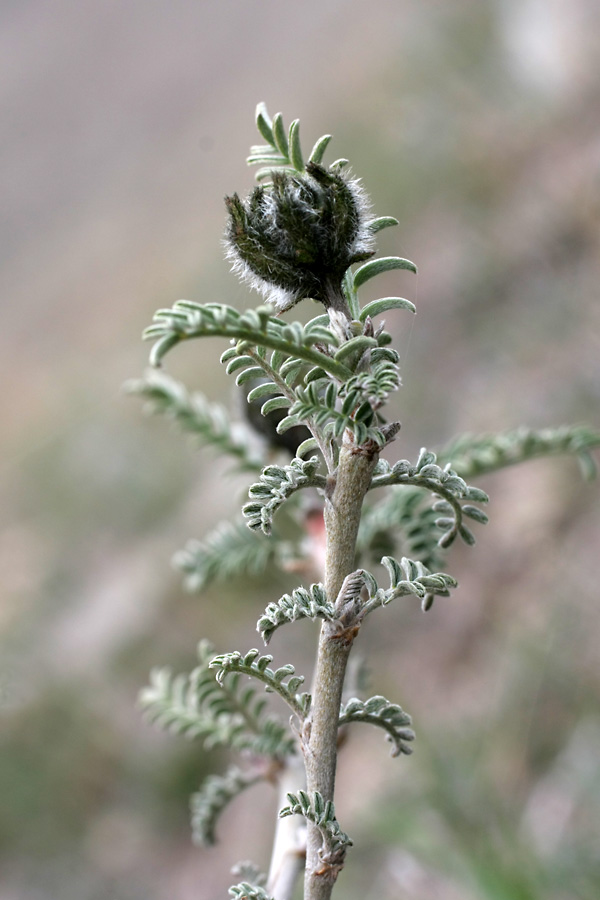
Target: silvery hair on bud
(296,237)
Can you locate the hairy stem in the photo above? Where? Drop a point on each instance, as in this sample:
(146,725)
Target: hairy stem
(342,517)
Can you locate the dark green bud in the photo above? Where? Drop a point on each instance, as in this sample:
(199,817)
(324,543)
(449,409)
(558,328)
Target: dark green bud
(295,238)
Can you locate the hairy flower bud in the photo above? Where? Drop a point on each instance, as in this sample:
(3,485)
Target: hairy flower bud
(296,237)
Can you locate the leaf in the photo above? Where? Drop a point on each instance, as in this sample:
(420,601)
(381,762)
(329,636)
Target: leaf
(238,362)
(307,446)
(445,484)
(302,603)
(251,374)
(257,666)
(267,172)
(406,577)
(246,891)
(478,454)
(389,716)
(272,160)
(198,707)
(216,792)
(279,135)
(273,404)
(381,223)
(264,124)
(376,307)
(162,347)
(229,551)
(255,328)
(377,266)
(318,151)
(288,422)
(322,813)
(357,345)
(264,390)
(194,414)
(294,146)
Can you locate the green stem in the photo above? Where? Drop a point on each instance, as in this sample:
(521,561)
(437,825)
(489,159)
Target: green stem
(167,338)
(342,517)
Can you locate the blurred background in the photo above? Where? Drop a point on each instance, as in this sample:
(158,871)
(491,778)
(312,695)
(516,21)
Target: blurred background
(476,124)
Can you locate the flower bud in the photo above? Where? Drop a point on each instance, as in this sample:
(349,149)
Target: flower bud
(295,238)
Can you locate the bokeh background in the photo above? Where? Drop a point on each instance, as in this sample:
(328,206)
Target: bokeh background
(477,124)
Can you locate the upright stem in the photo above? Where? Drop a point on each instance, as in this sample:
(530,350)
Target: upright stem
(342,518)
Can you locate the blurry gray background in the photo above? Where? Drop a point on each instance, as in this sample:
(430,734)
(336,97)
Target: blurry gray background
(477,124)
